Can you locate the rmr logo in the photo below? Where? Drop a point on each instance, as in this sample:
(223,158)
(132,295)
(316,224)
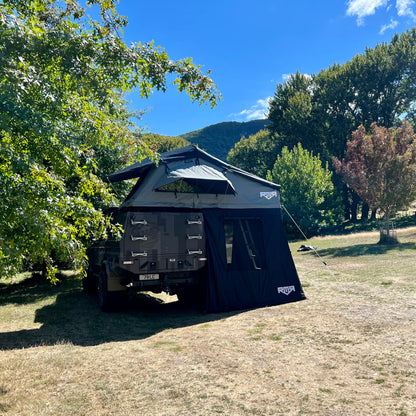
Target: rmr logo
(268,195)
(286,290)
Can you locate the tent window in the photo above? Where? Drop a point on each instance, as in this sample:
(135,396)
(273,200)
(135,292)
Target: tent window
(244,244)
(229,238)
(182,187)
(197,186)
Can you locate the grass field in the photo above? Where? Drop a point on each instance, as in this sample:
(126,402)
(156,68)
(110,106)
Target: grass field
(349,349)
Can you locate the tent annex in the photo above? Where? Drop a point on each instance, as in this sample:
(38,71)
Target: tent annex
(249,261)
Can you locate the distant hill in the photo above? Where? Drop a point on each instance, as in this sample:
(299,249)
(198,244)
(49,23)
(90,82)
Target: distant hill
(219,139)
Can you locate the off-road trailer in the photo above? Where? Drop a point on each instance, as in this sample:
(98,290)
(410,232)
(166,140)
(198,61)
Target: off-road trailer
(159,251)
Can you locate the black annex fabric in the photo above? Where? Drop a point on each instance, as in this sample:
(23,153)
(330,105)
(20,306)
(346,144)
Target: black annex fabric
(239,285)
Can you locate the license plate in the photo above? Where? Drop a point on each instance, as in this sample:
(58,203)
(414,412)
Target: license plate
(148,276)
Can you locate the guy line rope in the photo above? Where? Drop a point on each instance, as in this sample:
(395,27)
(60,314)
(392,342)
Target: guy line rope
(315,250)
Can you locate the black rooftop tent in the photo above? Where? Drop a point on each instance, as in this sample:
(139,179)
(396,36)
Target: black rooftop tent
(249,262)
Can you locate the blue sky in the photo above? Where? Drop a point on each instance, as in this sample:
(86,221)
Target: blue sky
(251,46)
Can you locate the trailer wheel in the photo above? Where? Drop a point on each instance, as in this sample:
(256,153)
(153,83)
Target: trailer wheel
(90,282)
(108,301)
(191,296)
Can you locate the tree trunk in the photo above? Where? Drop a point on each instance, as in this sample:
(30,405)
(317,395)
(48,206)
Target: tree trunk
(365,211)
(44,270)
(346,202)
(354,206)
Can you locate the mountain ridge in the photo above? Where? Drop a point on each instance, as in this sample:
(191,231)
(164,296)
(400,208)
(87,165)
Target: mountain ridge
(218,139)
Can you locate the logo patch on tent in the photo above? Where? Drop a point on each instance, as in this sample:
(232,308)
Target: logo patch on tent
(268,195)
(286,290)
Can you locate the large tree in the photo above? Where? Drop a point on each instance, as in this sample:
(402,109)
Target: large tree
(323,110)
(64,124)
(381,167)
(256,153)
(376,86)
(291,111)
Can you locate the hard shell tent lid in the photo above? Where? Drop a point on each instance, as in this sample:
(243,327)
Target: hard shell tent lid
(140,169)
(203,178)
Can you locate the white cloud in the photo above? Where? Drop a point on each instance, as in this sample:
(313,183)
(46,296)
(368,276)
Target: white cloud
(391,25)
(364,8)
(405,8)
(256,111)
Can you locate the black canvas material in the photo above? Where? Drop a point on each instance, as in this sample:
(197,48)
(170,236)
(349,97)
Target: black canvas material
(239,285)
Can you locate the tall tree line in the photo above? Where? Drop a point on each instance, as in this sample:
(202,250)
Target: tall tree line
(322,110)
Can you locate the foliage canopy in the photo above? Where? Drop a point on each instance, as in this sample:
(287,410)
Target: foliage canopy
(64,123)
(256,153)
(162,143)
(322,110)
(381,167)
(307,188)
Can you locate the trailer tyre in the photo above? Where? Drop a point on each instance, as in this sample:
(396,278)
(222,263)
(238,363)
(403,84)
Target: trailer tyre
(108,301)
(192,296)
(90,282)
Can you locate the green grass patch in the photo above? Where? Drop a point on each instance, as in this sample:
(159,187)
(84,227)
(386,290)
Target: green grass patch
(326,390)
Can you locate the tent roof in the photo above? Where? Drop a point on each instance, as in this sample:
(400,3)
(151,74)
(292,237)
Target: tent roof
(141,169)
(205,178)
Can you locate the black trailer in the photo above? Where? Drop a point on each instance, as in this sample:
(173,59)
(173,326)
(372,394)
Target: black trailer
(159,251)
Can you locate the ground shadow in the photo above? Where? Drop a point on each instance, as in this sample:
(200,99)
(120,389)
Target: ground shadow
(30,290)
(75,318)
(362,250)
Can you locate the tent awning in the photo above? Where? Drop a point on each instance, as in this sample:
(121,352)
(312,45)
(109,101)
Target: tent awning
(197,178)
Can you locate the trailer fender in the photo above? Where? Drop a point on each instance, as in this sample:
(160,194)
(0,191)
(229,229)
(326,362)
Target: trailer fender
(113,278)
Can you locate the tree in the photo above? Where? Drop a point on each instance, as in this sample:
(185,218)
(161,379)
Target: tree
(323,110)
(290,111)
(381,167)
(162,143)
(376,86)
(64,123)
(257,153)
(307,188)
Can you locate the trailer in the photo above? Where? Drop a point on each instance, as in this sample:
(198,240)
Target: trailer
(160,251)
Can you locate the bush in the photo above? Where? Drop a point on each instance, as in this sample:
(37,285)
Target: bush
(307,190)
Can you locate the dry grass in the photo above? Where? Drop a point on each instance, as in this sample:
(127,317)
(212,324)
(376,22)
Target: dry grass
(337,353)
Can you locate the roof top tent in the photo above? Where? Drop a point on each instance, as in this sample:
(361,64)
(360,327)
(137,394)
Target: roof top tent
(248,258)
